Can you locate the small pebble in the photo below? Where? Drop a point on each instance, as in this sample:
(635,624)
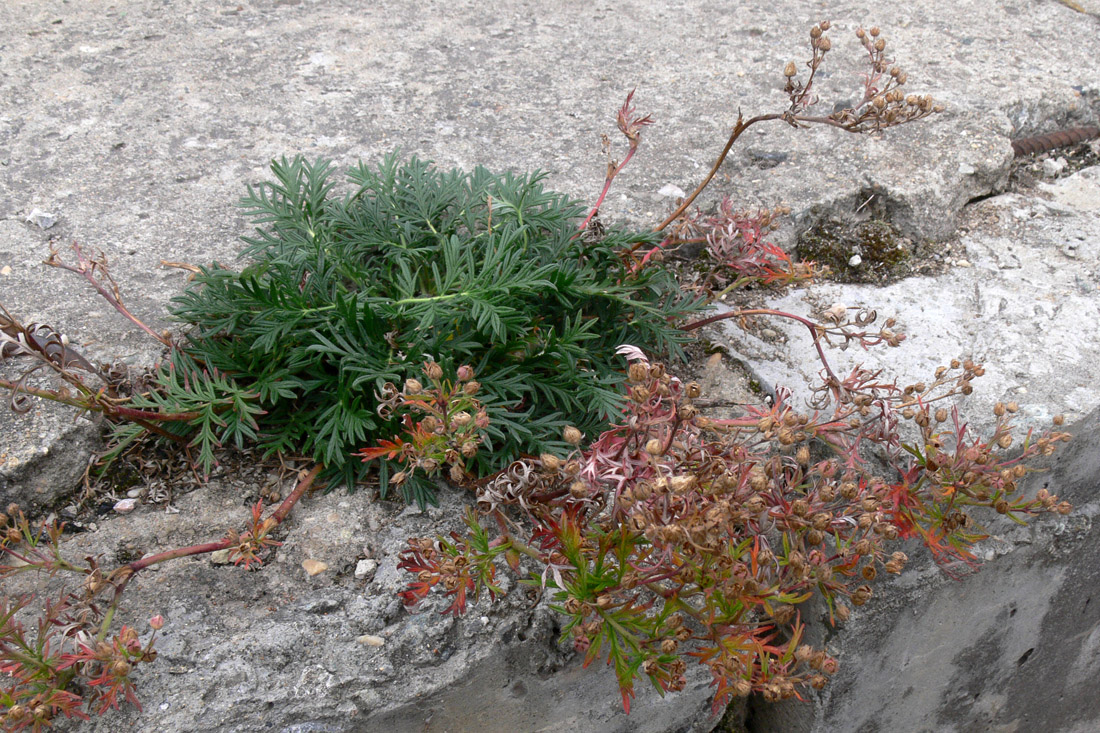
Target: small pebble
(768,334)
(313,567)
(363,568)
(125,506)
(962,263)
(855,261)
(1053,167)
(371,640)
(134,493)
(220,557)
(671,191)
(5,270)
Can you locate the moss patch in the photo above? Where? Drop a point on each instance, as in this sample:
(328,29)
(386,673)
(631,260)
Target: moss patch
(870,251)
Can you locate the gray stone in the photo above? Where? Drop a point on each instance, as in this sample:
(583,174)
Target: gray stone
(274,649)
(1019,306)
(142,121)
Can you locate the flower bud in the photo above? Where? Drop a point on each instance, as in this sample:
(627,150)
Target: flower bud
(550,462)
(471,388)
(157,622)
(465,373)
(433,371)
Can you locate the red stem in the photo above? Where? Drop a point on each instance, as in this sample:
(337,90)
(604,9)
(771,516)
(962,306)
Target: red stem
(606,187)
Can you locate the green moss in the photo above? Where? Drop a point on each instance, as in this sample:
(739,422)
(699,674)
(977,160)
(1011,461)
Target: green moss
(884,254)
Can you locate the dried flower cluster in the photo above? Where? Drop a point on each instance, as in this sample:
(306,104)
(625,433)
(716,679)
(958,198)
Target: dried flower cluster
(675,536)
(71,648)
(448,434)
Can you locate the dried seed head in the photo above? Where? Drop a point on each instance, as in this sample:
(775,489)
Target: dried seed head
(668,646)
(465,373)
(471,388)
(413,386)
(572,435)
(755,505)
(875,31)
(825,45)
(550,462)
(941,414)
(783,614)
(879,44)
(860,33)
(638,372)
(868,572)
(789,70)
(802,455)
(653,447)
(1065,508)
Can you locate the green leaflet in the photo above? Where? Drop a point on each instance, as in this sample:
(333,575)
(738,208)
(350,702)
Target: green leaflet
(341,294)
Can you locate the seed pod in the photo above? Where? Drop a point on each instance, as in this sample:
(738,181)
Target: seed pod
(789,70)
(433,371)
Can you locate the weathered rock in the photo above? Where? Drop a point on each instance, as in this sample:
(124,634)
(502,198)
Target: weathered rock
(1020,305)
(142,121)
(277,649)
(1012,648)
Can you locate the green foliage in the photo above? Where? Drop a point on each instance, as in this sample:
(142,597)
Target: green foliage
(345,294)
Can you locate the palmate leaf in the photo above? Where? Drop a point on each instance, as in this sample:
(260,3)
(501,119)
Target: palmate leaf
(344,292)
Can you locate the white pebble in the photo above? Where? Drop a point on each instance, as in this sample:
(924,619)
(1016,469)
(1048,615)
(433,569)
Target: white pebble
(371,640)
(855,261)
(125,506)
